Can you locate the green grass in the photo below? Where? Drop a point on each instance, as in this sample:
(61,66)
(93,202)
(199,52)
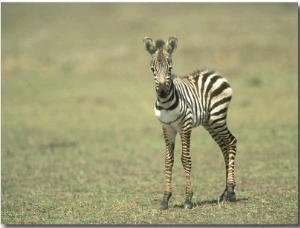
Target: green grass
(81,144)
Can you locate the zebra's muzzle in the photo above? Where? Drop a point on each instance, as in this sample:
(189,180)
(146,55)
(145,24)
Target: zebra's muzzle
(162,90)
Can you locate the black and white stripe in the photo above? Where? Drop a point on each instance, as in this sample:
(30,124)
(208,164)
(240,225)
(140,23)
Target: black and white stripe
(200,98)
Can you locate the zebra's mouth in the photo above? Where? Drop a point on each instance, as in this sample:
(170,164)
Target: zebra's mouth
(162,94)
(162,90)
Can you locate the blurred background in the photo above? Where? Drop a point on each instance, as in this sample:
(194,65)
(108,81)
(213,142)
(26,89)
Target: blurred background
(94,38)
(78,95)
(52,52)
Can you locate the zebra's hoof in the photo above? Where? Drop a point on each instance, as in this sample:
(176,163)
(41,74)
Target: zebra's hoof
(188,205)
(164,205)
(227,195)
(231,196)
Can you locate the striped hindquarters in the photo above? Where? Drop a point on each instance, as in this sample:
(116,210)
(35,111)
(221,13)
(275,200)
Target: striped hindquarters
(215,93)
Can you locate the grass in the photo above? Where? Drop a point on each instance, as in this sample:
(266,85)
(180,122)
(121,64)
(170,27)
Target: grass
(80,142)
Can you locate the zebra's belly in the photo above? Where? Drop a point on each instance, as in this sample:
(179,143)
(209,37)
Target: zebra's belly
(199,119)
(174,118)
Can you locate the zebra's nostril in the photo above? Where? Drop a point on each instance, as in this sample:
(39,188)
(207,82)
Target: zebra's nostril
(162,90)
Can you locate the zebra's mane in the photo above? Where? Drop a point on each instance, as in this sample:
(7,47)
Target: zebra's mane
(198,72)
(159,44)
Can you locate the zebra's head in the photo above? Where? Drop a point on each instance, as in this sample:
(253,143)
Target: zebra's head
(161,63)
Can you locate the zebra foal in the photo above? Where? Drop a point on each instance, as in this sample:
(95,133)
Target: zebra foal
(200,98)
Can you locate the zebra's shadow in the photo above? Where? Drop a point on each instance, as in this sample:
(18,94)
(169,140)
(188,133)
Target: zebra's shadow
(210,202)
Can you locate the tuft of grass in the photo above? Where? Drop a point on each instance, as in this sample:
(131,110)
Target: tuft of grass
(80,142)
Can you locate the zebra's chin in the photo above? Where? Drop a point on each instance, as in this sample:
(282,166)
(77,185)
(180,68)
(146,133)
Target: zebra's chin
(162,94)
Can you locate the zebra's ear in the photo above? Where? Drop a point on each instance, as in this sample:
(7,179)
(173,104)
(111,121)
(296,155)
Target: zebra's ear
(149,45)
(172,44)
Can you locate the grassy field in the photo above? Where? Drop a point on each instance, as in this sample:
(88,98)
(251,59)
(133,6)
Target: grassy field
(81,144)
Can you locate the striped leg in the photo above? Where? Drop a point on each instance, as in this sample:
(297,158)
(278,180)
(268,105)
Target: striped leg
(187,165)
(230,143)
(227,142)
(169,136)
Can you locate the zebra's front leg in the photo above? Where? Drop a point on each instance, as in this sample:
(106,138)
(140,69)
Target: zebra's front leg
(187,165)
(169,136)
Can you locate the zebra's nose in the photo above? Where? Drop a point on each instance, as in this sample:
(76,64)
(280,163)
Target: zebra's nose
(162,89)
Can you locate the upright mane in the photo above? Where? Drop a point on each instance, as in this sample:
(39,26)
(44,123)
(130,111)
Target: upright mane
(160,55)
(159,44)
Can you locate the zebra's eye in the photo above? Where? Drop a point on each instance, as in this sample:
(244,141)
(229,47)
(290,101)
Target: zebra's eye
(152,69)
(170,69)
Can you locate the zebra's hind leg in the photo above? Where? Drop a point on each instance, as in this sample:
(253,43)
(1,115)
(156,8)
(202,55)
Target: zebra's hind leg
(229,157)
(169,136)
(227,142)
